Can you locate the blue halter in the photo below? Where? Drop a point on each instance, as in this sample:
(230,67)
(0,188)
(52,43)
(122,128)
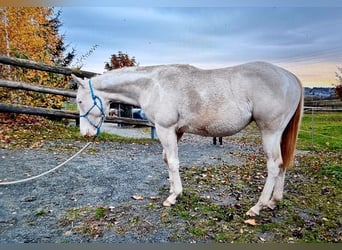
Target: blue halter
(97,102)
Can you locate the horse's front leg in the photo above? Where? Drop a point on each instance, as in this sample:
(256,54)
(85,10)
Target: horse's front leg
(168,139)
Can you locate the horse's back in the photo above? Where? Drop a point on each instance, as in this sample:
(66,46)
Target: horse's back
(253,76)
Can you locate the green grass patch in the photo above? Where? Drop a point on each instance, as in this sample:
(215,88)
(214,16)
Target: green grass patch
(86,220)
(93,222)
(69,106)
(321,131)
(41,212)
(100,212)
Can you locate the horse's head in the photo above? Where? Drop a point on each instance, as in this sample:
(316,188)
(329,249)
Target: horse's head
(91,107)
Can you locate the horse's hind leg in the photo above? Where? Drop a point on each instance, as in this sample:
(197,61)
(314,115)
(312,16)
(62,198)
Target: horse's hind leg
(271,144)
(278,189)
(168,139)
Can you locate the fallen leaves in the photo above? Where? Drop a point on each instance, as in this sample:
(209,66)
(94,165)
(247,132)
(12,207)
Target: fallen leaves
(37,144)
(20,119)
(32,132)
(250,222)
(141,197)
(138,197)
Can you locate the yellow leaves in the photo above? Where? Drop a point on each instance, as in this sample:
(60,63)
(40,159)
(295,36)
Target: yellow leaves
(25,28)
(30,33)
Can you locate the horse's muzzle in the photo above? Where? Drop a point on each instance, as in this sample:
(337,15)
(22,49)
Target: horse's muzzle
(88,133)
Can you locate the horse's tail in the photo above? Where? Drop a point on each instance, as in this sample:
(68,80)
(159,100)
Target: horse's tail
(290,134)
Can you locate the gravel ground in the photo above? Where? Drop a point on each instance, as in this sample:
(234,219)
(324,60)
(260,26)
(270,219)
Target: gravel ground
(107,174)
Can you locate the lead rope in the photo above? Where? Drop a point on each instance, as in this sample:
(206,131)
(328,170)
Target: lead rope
(49,171)
(98,126)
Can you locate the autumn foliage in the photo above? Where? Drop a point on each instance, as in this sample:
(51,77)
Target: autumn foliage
(120,60)
(32,33)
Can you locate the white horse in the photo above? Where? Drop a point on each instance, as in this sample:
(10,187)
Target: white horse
(180,99)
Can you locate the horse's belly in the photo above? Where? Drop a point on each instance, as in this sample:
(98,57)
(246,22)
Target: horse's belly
(216,128)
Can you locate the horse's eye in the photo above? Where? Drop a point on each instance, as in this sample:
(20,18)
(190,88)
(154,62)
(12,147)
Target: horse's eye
(79,102)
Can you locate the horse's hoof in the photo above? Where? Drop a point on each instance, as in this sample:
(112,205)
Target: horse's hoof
(166,203)
(252,213)
(272,205)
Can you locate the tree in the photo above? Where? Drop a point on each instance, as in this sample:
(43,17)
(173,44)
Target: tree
(338,88)
(32,33)
(119,61)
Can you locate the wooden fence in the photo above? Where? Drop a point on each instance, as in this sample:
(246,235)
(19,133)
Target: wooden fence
(22,109)
(325,105)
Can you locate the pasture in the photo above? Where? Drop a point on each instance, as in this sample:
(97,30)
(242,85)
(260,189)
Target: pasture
(321,131)
(217,191)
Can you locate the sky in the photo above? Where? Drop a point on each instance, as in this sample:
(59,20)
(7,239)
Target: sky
(303,39)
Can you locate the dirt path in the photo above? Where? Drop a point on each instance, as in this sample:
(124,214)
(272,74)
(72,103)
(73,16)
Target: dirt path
(107,174)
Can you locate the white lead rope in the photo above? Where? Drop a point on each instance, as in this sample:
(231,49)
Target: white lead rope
(47,172)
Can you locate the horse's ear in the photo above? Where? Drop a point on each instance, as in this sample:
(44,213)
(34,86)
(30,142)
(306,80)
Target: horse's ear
(77,80)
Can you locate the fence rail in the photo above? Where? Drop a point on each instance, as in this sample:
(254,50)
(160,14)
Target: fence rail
(323,109)
(37,88)
(324,105)
(23,63)
(23,109)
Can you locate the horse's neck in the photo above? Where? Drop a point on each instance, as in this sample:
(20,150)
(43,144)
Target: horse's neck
(129,90)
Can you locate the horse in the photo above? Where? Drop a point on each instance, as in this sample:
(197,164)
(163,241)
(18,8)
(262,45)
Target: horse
(180,99)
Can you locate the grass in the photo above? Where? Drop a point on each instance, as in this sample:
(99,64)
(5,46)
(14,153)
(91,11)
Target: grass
(41,212)
(321,131)
(89,225)
(69,106)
